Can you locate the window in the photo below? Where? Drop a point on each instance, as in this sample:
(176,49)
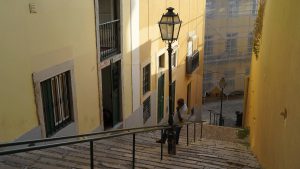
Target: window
(208,46)
(146,78)
(233,9)
(231,44)
(210,8)
(250,43)
(254,7)
(247,71)
(208,76)
(161,61)
(146,109)
(57,102)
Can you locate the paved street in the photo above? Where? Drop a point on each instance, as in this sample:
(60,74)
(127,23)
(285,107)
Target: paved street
(229,109)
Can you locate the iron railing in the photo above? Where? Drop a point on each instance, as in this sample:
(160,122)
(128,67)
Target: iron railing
(109,39)
(25,146)
(215,120)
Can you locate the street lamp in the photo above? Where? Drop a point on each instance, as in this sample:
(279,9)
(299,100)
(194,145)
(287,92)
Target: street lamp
(222,84)
(169,26)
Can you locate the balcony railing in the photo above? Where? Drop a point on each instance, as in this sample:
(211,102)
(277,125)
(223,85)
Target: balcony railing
(109,38)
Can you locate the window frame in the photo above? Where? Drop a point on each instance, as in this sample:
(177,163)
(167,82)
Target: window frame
(145,91)
(39,77)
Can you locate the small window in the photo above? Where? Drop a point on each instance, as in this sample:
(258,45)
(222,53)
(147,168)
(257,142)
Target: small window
(250,43)
(146,109)
(208,46)
(57,102)
(231,44)
(146,78)
(233,9)
(161,61)
(210,8)
(254,7)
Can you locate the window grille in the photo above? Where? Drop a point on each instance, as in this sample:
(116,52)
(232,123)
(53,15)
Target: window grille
(146,109)
(208,46)
(231,44)
(146,78)
(233,9)
(57,102)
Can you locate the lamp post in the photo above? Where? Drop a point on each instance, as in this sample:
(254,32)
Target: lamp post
(169,26)
(222,84)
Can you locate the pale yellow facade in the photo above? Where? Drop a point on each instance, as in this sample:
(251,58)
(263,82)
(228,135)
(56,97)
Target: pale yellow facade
(228,33)
(32,42)
(192,14)
(39,38)
(273,95)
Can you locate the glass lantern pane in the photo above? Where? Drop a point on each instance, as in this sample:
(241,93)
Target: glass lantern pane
(176,31)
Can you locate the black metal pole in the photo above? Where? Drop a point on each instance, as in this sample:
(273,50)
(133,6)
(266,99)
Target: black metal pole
(161,145)
(133,150)
(187,134)
(221,117)
(92,154)
(171,134)
(201,130)
(209,117)
(194,132)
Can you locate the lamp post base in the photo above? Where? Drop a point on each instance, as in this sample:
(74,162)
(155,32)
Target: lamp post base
(171,142)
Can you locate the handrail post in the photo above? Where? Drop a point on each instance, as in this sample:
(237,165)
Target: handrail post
(194,132)
(201,130)
(187,134)
(133,151)
(210,117)
(161,145)
(92,154)
(214,118)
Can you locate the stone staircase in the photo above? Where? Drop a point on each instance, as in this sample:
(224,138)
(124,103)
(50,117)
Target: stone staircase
(116,153)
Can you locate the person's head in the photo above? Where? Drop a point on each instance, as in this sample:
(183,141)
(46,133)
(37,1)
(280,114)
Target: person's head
(180,102)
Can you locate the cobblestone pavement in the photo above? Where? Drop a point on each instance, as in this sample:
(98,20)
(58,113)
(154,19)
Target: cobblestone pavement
(229,109)
(207,153)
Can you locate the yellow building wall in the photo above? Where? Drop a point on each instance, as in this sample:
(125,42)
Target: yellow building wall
(192,13)
(218,26)
(126,61)
(61,30)
(274,88)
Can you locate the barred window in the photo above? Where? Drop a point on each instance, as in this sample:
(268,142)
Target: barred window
(208,46)
(250,43)
(210,8)
(146,109)
(146,78)
(233,9)
(57,102)
(231,44)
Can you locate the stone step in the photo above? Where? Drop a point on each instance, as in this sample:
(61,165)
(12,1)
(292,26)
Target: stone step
(117,153)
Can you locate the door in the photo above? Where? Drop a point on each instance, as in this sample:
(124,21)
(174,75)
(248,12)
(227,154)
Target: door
(116,91)
(160,98)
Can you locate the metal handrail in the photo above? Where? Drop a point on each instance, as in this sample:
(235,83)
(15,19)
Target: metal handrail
(73,136)
(87,138)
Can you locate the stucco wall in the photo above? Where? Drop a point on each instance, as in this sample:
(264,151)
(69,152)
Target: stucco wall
(61,30)
(274,87)
(192,13)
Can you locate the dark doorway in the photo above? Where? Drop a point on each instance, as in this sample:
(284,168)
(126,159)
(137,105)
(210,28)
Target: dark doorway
(111,92)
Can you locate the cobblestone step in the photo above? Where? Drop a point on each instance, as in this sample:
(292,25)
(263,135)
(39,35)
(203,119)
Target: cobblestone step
(117,153)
